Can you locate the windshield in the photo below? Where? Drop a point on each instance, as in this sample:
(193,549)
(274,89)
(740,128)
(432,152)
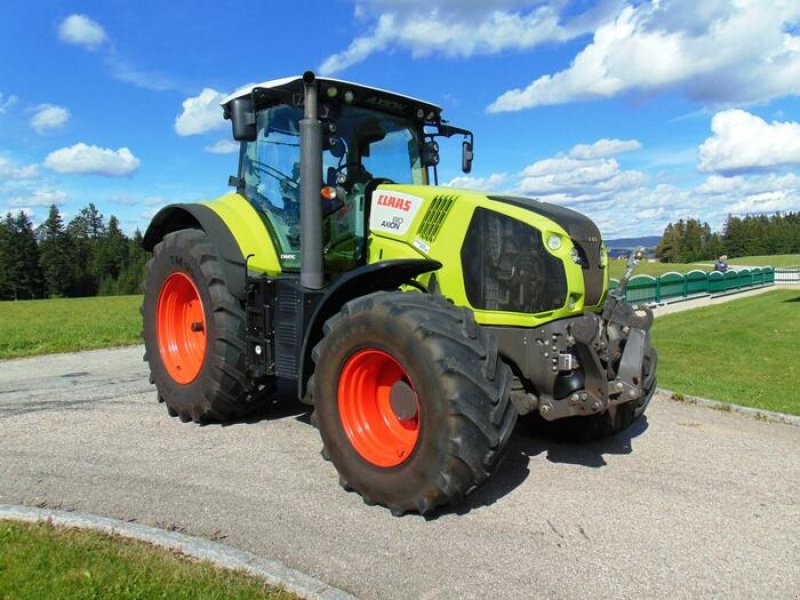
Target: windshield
(369,145)
(383,145)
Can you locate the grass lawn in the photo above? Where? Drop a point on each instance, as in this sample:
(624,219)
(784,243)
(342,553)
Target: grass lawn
(743,352)
(30,327)
(41,561)
(779,260)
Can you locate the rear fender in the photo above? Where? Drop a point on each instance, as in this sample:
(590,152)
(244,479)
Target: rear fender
(196,216)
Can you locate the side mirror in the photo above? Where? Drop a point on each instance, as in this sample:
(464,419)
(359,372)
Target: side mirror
(430,154)
(466,156)
(243,119)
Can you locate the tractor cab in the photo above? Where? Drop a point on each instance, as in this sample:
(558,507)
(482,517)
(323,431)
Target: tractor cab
(366,137)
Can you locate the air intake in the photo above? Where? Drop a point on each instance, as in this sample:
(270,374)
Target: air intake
(432,223)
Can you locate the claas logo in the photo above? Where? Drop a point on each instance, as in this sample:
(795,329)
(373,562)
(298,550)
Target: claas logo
(394,202)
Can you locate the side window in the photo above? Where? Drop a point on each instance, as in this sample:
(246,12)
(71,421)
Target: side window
(271,173)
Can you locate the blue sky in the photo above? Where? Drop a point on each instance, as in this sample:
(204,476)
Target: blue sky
(635,113)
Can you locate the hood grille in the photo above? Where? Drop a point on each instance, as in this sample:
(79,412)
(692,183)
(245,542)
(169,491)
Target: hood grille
(434,218)
(584,234)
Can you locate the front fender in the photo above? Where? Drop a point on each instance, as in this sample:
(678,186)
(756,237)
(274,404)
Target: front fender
(376,277)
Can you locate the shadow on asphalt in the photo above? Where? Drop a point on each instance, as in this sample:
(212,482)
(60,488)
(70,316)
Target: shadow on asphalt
(514,469)
(271,411)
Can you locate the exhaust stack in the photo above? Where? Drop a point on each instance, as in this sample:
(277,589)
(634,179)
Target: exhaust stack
(311,270)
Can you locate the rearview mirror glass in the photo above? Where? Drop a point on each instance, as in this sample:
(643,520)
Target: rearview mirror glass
(243,119)
(466,156)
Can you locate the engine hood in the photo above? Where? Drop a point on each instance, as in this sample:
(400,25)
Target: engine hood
(579,227)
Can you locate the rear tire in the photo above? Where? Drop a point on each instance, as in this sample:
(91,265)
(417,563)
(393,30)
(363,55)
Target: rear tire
(194,331)
(411,400)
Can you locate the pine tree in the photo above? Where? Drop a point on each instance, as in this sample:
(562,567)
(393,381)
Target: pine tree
(130,281)
(84,229)
(56,255)
(5,237)
(670,247)
(111,254)
(23,276)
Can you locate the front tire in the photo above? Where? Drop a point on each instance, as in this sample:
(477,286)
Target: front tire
(411,400)
(194,331)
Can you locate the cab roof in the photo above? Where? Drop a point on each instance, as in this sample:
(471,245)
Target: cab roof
(289,90)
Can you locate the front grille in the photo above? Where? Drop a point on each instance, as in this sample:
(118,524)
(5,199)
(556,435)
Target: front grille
(584,234)
(507,268)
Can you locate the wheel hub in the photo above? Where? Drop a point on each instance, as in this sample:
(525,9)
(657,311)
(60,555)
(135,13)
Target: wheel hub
(403,401)
(181,328)
(379,408)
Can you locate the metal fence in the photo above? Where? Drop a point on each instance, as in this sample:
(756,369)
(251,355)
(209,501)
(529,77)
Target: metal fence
(787,275)
(675,286)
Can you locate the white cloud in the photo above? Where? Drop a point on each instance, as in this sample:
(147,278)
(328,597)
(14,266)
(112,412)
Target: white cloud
(564,175)
(708,51)
(82,159)
(604,148)
(460,28)
(6,102)
(132,200)
(40,197)
(201,113)
(49,117)
(82,31)
(8,171)
(624,203)
(744,142)
(481,184)
(126,72)
(766,203)
(223,147)
(27,211)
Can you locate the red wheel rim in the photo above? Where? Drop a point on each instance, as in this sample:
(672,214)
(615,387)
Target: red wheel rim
(181,328)
(376,431)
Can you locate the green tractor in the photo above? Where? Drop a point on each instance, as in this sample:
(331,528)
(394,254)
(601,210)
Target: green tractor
(417,321)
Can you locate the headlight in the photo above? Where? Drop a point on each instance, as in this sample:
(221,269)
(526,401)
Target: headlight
(575,256)
(603,257)
(554,242)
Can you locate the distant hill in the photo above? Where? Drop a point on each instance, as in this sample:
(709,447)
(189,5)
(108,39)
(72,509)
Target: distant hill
(650,241)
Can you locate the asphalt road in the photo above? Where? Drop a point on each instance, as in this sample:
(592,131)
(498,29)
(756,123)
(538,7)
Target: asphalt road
(692,502)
